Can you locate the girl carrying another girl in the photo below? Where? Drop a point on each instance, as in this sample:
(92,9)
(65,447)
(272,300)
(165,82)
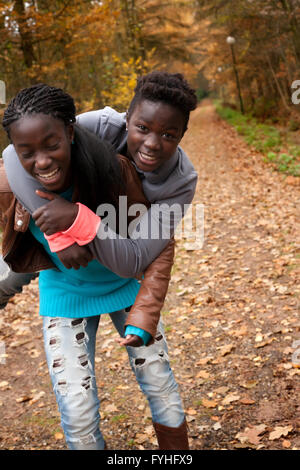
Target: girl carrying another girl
(39,122)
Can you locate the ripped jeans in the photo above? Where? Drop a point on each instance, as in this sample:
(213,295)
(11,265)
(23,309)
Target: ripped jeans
(70,351)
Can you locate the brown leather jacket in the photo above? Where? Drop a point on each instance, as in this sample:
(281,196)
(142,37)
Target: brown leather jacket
(25,254)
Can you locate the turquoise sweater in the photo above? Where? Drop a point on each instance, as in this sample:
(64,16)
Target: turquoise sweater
(84,292)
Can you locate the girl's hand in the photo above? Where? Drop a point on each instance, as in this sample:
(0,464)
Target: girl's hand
(75,256)
(56,216)
(130,340)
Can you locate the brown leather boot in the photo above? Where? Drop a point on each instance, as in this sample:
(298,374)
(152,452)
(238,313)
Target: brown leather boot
(172,438)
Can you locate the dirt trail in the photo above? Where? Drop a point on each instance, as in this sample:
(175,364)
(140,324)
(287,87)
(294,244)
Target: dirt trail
(231,317)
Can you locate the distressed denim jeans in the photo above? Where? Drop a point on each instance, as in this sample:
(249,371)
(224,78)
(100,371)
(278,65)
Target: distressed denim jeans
(70,350)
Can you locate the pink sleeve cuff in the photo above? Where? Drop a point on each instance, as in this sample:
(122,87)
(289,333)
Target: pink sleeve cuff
(58,241)
(82,231)
(85,226)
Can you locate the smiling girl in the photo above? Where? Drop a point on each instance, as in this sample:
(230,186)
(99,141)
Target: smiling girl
(149,135)
(42,131)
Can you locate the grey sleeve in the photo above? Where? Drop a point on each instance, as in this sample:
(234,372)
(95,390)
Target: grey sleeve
(124,256)
(107,124)
(22,183)
(11,283)
(148,237)
(91,121)
(127,257)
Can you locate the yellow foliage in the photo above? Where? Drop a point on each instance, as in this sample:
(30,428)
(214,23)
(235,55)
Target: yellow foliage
(121,81)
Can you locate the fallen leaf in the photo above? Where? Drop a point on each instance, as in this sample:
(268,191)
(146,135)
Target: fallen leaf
(226,349)
(24,398)
(58,436)
(191,412)
(209,403)
(34,353)
(264,343)
(37,396)
(187,336)
(258,338)
(207,334)
(286,444)
(250,384)
(280,431)
(215,418)
(4,385)
(217,426)
(190,418)
(221,390)
(203,374)
(247,401)
(110,408)
(204,361)
(181,318)
(230,398)
(241,332)
(149,430)
(251,434)
(141,438)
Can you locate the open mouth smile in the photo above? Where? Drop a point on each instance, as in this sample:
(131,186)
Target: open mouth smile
(147,158)
(48,176)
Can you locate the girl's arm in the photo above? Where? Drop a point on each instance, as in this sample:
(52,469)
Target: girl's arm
(127,257)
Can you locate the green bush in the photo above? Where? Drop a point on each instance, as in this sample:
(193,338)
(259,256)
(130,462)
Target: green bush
(265,138)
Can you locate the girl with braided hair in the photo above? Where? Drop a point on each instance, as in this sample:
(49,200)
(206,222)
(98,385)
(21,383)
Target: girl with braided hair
(154,131)
(167,175)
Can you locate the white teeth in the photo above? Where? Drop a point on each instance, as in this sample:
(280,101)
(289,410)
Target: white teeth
(147,157)
(49,175)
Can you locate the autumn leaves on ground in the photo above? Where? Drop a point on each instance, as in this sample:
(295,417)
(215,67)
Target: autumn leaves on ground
(231,319)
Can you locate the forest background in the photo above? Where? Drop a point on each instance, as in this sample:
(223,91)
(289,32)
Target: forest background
(96,49)
(232,310)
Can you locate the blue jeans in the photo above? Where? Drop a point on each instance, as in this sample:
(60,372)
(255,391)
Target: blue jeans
(70,350)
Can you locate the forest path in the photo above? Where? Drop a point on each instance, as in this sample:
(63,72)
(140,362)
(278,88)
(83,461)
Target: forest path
(231,319)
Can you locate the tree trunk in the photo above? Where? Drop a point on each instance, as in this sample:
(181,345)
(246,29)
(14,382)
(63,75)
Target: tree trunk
(280,91)
(25,34)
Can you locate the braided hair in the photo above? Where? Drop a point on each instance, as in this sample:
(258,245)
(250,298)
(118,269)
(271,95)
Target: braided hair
(171,89)
(40,99)
(95,167)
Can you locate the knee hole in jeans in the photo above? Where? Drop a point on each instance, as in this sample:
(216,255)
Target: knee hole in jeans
(83,360)
(86,382)
(77,322)
(53,322)
(58,364)
(54,342)
(80,337)
(62,387)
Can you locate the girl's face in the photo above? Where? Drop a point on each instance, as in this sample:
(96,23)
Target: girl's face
(154,131)
(43,145)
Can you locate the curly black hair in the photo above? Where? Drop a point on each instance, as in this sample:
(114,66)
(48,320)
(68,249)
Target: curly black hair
(169,88)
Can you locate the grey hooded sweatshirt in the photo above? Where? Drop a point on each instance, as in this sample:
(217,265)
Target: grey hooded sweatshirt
(171,186)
